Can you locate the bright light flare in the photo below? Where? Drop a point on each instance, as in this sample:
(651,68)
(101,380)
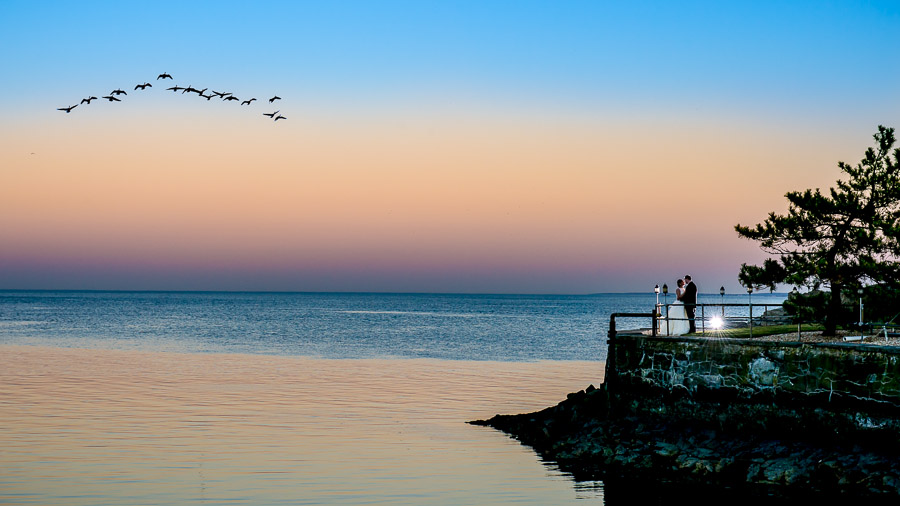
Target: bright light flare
(716,322)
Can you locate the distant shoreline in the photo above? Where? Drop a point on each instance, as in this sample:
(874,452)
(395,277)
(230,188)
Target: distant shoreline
(292,292)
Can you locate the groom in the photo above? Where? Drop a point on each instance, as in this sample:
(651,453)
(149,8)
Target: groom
(690,301)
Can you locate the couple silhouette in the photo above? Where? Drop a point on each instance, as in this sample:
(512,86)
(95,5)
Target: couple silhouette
(682,312)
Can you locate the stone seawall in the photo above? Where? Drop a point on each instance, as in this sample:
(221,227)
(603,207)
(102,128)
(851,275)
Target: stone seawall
(836,392)
(748,414)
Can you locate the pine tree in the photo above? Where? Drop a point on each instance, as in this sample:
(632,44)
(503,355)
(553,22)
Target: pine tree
(841,240)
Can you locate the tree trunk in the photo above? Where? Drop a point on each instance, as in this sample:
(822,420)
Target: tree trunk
(834,310)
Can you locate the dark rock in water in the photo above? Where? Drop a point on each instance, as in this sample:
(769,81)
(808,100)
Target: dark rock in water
(589,439)
(758,437)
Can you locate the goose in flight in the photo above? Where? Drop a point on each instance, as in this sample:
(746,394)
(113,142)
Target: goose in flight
(88,100)
(117,92)
(207,97)
(143,86)
(230,97)
(189,88)
(247,102)
(175,88)
(280,117)
(163,76)
(220,94)
(67,109)
(271,114)
(276,97)
(112,98)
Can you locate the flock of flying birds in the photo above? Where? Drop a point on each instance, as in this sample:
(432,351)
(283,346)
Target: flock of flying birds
(224,96)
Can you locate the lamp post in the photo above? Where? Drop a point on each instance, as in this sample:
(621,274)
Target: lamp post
(656,314)
(860,293)
(722,293)
(666,301)
(750,306)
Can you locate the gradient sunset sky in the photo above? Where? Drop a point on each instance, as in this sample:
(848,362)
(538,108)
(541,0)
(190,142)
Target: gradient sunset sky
(522,147)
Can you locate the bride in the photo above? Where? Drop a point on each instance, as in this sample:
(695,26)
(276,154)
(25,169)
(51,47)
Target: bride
(677,319)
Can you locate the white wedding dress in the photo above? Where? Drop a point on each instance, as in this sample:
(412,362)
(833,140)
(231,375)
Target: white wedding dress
(676,323)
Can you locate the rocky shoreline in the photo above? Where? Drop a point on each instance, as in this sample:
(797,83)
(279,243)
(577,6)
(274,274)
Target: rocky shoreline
(591,441)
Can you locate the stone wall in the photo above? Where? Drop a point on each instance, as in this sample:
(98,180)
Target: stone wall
(755,417)
(837,392)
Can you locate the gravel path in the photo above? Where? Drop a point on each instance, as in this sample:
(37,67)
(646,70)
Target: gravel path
(817,337)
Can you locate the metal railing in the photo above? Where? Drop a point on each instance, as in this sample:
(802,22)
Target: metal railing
(612,321)
(733,316)
(876,329)
(730,316)
(704,313)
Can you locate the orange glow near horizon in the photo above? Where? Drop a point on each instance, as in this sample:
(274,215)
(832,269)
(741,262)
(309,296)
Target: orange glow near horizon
(414,193)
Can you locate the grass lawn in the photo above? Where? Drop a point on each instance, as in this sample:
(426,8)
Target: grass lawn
(767,330)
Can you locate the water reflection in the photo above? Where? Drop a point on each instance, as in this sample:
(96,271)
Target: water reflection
(128,427)
(589,489)
(94,427)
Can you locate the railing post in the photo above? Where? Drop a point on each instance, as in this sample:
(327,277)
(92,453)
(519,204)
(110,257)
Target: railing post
(668,330)
(751,320)
(609,372)
(702,319)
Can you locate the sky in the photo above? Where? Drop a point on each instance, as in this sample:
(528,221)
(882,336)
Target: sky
(472,147)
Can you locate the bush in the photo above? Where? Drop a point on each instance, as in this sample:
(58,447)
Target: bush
(807,307)
(882,303)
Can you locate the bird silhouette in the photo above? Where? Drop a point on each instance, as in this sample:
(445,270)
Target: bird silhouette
(225,96)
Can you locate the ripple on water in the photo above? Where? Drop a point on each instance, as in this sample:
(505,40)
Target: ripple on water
(126,427)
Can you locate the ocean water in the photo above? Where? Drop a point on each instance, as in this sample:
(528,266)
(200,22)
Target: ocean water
(448,327)
(121,398)
(110,427)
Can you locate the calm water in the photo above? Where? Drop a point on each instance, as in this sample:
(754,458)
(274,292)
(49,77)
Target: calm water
(449,327)
(233,398)
(91,427)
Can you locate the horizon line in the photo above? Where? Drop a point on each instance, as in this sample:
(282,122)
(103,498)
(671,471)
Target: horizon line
(337,292)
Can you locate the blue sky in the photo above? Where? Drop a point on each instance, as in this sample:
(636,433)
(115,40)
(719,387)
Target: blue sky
(774,54)
(491,146)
